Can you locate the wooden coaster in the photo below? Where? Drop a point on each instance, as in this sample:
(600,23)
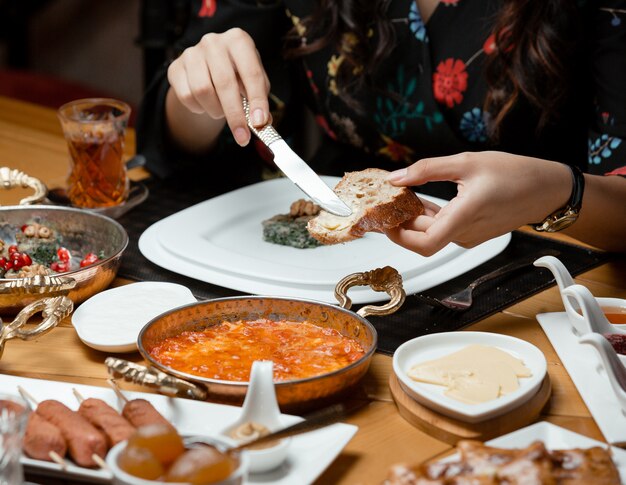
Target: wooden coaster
(451,430)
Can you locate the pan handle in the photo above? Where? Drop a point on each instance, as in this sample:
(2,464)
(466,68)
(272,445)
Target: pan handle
(154,378)
(53,310)
(385,279)
(37,284)
(12,177)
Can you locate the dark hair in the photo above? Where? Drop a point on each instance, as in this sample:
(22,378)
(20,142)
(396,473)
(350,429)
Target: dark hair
(533,41)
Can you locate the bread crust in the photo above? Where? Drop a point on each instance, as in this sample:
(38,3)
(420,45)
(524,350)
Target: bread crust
(375,215)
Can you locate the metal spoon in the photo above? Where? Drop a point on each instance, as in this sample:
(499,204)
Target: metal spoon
(318,419)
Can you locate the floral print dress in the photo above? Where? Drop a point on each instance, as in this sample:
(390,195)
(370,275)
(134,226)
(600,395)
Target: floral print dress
(426,99)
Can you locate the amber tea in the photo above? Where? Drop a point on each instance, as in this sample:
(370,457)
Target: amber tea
(94,130)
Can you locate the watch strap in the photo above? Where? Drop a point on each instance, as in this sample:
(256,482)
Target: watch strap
(566,215)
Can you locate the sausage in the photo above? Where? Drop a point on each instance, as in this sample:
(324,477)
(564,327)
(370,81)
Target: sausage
(83,439)
(115,427)
(43,437)
(142,413)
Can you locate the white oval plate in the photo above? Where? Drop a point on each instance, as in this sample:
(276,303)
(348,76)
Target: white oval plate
(437,345)
(110,321)
(228,250)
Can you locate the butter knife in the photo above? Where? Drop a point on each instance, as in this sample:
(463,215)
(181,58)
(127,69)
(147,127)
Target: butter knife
(297,169)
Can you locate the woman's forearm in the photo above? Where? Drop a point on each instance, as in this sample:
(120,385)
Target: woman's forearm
(602,219)
(194,133)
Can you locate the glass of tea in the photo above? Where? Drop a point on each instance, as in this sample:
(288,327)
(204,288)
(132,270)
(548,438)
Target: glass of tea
(94,129)
(13,416)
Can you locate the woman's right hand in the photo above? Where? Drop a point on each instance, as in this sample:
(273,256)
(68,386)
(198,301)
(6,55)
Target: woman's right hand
(210,78)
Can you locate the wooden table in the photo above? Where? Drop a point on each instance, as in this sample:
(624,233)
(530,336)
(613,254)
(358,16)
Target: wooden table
(31,140)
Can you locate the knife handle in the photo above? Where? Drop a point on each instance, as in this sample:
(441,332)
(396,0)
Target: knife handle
(267,134)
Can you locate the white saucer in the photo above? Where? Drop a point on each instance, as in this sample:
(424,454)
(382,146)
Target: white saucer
(437,345)
(111,320)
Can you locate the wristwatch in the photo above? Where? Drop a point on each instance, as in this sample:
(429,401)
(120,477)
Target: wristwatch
(566,215)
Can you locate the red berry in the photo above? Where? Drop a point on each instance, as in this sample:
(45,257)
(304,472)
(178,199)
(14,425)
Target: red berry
(60,266)
(12,249)
(26,259)
(89,258)
(64,254)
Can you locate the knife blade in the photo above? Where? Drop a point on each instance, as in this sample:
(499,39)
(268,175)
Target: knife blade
(297,169)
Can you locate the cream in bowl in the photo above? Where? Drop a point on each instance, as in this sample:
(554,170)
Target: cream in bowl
(474,374)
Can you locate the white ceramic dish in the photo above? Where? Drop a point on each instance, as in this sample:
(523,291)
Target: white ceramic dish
(110,321)
(554,438)
(261,407)
(564,280)
(583,366)
(227,248)
(437,345)
(589,317)
(309,454)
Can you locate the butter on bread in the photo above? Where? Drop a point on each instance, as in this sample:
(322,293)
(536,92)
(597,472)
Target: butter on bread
(376,205)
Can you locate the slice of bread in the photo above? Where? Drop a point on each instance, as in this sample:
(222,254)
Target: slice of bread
(376,205)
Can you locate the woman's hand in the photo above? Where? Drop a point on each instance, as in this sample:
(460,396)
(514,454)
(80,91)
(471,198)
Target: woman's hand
(209,79)
(496,193)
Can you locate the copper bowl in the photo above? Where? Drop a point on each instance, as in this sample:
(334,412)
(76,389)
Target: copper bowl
(82,231)
(295,394)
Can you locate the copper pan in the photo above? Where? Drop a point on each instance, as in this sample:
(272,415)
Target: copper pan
(82,231)
(292,394)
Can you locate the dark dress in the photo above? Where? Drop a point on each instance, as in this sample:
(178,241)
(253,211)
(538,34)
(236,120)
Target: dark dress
(427,97)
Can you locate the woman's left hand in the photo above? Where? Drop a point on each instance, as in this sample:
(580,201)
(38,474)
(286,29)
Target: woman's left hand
(496,193)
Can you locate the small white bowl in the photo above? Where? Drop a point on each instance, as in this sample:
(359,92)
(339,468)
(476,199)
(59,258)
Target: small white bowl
(120,477)
(438,345)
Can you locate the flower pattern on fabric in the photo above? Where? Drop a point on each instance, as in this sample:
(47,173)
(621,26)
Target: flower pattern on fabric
(348,128)
(208,8)
(616,14)
(297,23)
(321,121)
(391,115)
(333,67)
(618,171)
(489,47)
(310,77)
(473,125)
(396,151)
(602,148)
(450,82)
(416,24)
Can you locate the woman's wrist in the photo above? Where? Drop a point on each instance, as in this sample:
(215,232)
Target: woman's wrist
(566,200)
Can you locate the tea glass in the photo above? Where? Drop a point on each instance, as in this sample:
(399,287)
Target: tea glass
(94,129)
(13,416)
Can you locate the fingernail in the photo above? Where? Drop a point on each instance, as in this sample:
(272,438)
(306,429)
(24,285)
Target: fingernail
(258,117)
(397,175)
(241,136)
